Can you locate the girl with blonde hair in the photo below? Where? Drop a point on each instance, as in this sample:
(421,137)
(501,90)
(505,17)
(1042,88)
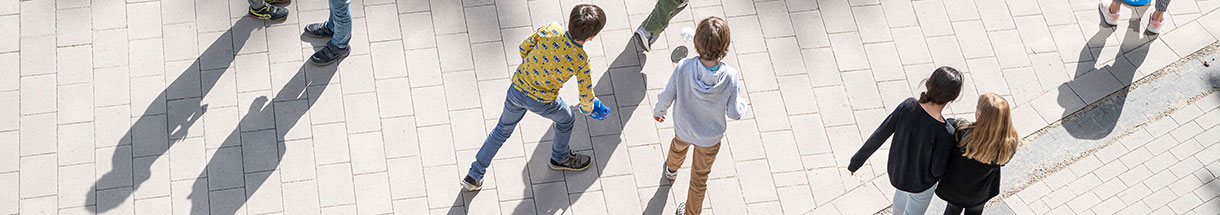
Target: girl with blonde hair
(973,175)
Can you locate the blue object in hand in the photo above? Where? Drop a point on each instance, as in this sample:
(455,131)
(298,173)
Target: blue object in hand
(600,111)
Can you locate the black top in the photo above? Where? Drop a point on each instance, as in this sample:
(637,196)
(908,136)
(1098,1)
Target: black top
(968,182)
(919,152)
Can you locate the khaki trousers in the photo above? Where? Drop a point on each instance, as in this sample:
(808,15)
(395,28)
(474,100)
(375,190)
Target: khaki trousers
(701,166)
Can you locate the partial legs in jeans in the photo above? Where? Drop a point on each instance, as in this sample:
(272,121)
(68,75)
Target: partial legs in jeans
(515,105)
(701,166)
(661,14)
(340,23)
(952,209)
(912,203)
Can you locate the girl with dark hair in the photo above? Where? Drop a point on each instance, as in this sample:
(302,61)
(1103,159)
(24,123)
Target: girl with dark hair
(922,142)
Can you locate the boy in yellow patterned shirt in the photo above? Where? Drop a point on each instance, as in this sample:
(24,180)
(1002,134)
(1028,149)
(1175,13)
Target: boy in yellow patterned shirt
(550,57)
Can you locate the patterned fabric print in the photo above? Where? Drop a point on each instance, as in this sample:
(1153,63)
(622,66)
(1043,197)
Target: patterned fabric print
(549,59)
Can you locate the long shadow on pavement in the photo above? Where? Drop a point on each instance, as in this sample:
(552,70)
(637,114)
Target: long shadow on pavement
(226,171)
(255,154)
(1095,125)
(147,133)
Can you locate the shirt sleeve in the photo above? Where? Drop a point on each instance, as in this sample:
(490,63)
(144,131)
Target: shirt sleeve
(941,151)
(736,106)
(528,44)
(666,97)
(584,82)
(875,140)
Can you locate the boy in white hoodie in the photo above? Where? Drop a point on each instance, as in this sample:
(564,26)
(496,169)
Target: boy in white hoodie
(705,91)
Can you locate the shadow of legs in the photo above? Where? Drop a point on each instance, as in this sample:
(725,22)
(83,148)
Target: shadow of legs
(149,135)
(1100,119)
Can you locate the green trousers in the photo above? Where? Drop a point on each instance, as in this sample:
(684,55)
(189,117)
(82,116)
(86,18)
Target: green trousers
(659,18)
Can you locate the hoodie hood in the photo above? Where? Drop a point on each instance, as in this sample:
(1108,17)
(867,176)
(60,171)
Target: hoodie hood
(708,83)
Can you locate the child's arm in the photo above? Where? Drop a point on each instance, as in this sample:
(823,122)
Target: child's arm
(584,82)
(874,141)
(736,106)
(665,98)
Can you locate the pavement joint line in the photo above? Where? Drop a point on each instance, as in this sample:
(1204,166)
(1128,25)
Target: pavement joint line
(1172,68)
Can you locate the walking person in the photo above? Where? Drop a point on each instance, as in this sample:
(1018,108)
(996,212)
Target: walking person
(1110,14)
(705,91)
(921,145)
(657,21)
(265,10)
(552,55)
(973,175)
(339,28)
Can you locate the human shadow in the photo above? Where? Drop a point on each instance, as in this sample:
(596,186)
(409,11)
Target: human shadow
(1099,120)
(147,136)
(656,204)
(254,156)
(622,103)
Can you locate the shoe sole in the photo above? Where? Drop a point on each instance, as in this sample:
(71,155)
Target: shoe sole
(469,187)
(278,2)
(269,19)
(331,61)
(560,168)
(316,35)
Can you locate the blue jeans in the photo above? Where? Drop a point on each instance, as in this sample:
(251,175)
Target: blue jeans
(912,203)
(515,105)
(340,22)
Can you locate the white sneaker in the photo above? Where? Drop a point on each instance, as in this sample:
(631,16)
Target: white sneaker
(1110,18)
(681,209)
(1154,26)
(644,39)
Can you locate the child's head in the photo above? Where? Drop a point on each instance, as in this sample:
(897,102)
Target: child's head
(993,139)
(712,38)
(585,21)
(943,87)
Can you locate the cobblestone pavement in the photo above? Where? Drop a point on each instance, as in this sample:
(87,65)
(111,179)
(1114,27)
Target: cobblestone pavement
(185,107)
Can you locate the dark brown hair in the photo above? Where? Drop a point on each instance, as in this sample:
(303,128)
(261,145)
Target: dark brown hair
(585,21)
(943,87)
(712,38)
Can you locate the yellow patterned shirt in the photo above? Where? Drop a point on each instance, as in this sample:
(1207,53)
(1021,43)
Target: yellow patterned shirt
(550,57)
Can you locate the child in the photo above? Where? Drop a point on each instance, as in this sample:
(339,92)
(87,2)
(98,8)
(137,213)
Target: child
(551,56)
(705,90)
(1109,14)
(922,142)
(973,175)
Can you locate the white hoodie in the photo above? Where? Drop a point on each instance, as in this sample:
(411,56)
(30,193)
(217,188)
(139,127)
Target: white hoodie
(704,98)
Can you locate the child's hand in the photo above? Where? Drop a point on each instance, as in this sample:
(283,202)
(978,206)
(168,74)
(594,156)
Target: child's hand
(600,111)
(659,118)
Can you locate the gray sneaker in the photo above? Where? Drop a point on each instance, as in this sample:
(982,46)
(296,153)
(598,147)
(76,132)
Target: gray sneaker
(681,209)
(574,162)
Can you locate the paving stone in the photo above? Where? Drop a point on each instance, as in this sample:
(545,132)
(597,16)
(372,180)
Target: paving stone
(335,149)
(76,181)
(863,92)
(38,183)
(36,130)
(947,52)
(809,36)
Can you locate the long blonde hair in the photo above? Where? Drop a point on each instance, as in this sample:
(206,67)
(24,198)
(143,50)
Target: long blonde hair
(993,138)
